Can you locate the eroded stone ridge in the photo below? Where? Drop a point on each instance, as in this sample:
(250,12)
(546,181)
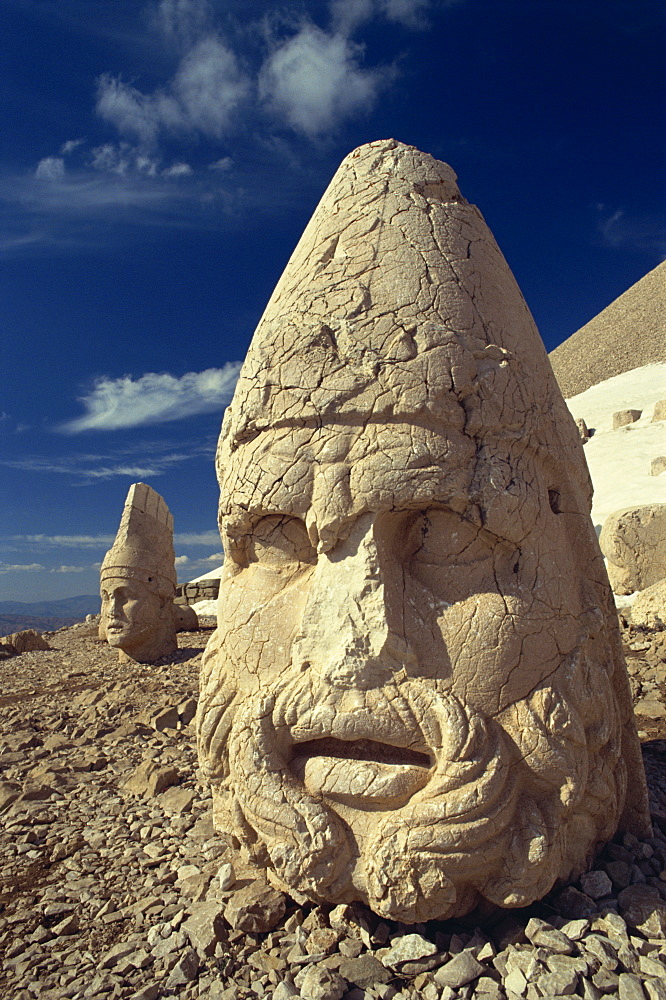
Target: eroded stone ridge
(416,695)
(138,580)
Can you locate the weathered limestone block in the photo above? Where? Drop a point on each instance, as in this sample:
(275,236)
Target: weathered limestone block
(658,465)
(649,608)
(634,543)
(22,642)
(138,580)
(198,590)
(659,412)
(624,417)
(415,696)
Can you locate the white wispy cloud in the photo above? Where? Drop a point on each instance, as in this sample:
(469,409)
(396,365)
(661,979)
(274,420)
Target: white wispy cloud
(224,163)
(196,538)
(153,399)
(183,21)
(181,560)
(69,146)
(348,15)
(21,567)
(247,78)
(51,168)
(410,13)
(140,460)
(621,230)
(63,541)
(68,569)
(191,568)
(45,541)
(203,96)
(314,80)
(177,170)
(89,473)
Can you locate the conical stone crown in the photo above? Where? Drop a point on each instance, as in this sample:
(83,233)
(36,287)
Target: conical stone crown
(143,547)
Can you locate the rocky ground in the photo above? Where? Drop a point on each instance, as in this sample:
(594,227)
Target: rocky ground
(114,883)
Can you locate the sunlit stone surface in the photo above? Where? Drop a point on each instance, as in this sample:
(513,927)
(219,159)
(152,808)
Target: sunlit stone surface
(138,580)
(415,696)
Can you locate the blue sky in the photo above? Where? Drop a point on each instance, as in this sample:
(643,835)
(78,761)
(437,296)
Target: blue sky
(160,160)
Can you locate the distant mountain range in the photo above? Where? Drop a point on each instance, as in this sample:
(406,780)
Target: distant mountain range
(46,616)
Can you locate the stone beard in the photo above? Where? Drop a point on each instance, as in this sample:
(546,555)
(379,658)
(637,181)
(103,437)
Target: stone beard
(415,696)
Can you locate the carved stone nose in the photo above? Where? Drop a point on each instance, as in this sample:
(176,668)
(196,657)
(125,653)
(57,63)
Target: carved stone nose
(346,633)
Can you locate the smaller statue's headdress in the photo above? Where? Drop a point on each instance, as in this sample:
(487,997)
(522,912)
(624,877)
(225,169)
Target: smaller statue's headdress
(143,548)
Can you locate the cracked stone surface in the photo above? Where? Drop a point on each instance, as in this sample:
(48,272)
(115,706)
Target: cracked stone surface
(138,581)
(107,891)
(416,697)
(634,543)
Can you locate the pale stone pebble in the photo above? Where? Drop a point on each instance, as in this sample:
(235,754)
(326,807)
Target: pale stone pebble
(460,970)
(226,876)
(408,948)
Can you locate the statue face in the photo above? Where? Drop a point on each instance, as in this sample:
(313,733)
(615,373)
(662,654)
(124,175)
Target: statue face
(406,690)
(131,614)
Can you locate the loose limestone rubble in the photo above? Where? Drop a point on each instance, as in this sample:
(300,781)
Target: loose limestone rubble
(138,581)
(108,892)
(415,697)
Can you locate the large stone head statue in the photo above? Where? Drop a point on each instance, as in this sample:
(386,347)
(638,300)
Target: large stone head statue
(415,696)
(138,580)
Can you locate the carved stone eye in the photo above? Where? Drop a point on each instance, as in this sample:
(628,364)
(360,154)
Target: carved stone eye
(280,542)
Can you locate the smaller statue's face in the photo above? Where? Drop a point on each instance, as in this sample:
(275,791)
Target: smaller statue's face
(130,612)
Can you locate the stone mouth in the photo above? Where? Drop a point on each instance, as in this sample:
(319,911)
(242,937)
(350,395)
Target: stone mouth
(362,773)
(363,750)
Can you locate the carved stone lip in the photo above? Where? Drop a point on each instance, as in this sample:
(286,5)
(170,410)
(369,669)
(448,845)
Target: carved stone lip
(361,773)
(361,727)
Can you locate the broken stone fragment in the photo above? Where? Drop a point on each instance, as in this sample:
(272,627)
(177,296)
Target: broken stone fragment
(149,779)
(596,884)
(582,429)
(659,412)
(9,792)
(187,711)
(643,908)
(649,607)
(176,801)
(459,970)
(319,983)
(255,909)
(544,935)
(205,927)
(658,465)
(22,642)
(184,971)
(624,417)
